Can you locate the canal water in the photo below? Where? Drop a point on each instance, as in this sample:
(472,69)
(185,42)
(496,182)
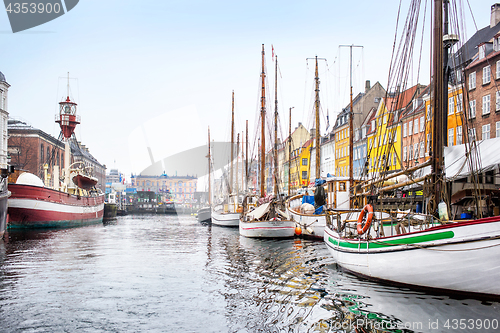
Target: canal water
(172,274)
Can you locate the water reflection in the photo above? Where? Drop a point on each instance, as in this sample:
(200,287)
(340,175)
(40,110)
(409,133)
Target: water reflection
(170,273)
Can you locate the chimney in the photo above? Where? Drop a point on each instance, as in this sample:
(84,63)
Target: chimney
(495,15)
(367,86)
(313,133)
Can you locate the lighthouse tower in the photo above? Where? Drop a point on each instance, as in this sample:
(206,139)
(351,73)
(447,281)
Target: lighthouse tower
(67,120)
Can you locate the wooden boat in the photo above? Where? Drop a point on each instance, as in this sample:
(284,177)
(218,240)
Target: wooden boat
(110,206)
(84,181)
(428,251)
(227,212)
(267,219)
(310,225)
(204,214)
(35,205)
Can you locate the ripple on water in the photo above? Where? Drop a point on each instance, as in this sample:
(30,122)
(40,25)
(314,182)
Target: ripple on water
(169,273)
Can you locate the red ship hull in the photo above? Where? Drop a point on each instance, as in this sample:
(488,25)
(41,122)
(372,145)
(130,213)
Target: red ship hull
(41,207)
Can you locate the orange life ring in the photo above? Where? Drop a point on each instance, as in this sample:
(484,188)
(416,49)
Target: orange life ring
(367,209)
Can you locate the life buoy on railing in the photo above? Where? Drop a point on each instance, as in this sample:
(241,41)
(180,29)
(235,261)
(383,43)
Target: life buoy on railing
(368,211)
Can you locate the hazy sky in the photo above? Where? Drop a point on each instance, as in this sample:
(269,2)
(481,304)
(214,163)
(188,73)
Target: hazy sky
(158,73)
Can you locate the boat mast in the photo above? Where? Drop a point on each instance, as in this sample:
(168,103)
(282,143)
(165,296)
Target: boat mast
(437,105)
(246,156)
(232,143)
(263,129)
(316,107)
(209,172)
(289,150)
(237,153)
(316,103)
(351,120)
(275,153)
(351,126)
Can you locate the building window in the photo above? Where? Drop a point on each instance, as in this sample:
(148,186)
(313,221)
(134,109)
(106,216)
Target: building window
(410,151)
(497,134)
(498,69)
(422,124)
(373,125)
(428,112)
(486,104)
(422,149)
(497,102)
(404,130)
(472,134)
(41,153)
(304,161)
(428,142)
(472,109)
(482,51)
(460,102)
(459,135)
(304,174)
(486,74)
(459,74)
(472,80)
(486,132)
(410,127)
(415,147)
(451,105)
(450,137)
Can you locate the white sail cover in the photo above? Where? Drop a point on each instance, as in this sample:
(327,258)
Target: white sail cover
(258,212)
(457,165)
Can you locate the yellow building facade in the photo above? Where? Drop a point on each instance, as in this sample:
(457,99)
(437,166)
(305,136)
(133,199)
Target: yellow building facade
(384,143)
(300,166)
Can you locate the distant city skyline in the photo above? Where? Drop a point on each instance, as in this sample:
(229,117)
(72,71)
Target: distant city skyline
(157,74)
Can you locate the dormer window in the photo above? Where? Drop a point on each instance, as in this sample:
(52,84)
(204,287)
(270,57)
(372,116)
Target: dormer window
(482,51)
(459,74)
(496,43)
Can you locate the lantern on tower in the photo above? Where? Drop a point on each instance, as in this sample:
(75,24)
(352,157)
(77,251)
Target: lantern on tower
(68,119)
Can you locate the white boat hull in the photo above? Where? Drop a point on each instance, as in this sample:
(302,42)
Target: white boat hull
(226,219)
(204,214)
(311,225)
(458,257)
(267,229)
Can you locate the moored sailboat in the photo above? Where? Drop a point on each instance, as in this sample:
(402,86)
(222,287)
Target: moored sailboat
(227,212)
(204,214)
(266,217)
(428,251)
(311,223)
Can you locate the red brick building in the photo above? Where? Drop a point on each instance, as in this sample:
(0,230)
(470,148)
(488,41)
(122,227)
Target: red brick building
(482,82)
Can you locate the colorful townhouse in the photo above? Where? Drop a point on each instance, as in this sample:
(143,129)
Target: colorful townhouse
(300,166)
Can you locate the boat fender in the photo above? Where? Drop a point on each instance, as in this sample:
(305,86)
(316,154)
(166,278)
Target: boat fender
(298,230)
(368,211)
